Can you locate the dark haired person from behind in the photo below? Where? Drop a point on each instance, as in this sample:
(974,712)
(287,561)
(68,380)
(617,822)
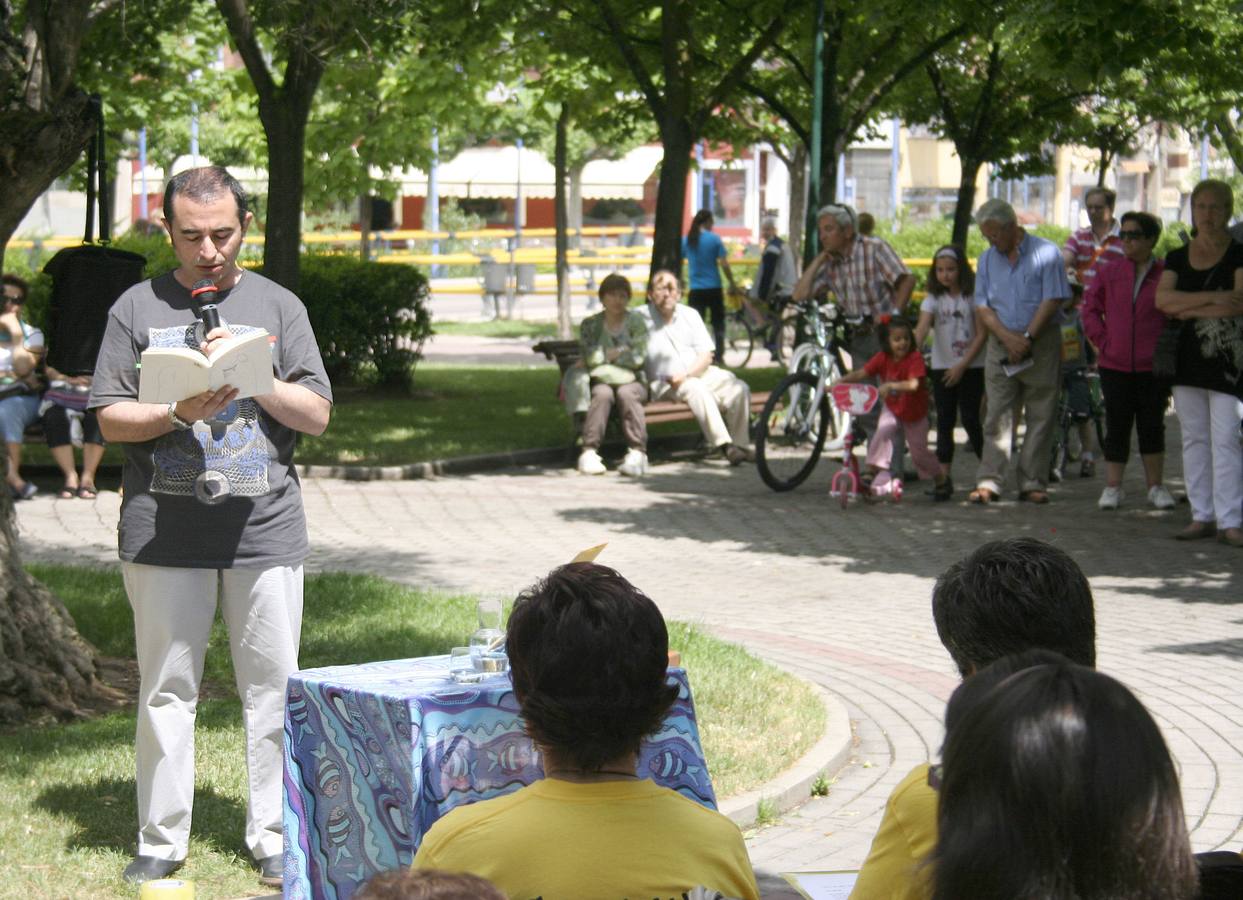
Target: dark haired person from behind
(1057,783)
(1006,597)
(588,653)
(427,884)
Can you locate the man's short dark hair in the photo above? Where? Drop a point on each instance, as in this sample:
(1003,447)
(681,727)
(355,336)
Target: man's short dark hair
(204,184)
(1010,596)
(1111,197)
(588,652)
(1149,224)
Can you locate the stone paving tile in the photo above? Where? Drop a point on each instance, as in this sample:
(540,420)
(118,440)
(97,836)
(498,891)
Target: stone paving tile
(838,598)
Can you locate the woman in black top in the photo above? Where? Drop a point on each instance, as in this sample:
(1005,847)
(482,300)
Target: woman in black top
(1203,285)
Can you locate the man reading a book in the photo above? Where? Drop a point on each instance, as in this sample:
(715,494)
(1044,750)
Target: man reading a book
(211,512)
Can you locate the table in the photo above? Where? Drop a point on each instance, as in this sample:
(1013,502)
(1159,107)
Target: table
(376,753)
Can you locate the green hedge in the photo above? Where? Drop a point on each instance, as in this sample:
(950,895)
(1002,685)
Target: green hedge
(371,319)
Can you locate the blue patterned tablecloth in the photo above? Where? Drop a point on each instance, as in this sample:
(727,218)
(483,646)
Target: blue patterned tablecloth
(376,753)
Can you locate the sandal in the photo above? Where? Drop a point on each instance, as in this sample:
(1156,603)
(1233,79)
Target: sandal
(88,492)
(67,493)
(983,496)
(1035,496)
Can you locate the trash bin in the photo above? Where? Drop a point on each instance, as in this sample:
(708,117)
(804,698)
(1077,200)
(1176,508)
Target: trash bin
(526,278)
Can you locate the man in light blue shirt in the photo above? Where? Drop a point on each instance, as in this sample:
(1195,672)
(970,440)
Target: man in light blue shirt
(1020,285)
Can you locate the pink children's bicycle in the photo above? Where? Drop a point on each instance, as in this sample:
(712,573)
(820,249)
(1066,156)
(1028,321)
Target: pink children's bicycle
(847,483)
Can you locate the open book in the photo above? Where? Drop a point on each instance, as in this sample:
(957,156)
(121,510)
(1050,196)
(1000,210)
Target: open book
(171,374)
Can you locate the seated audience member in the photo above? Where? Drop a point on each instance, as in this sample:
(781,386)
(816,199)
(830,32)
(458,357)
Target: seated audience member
(588,653)
(1056,783)
(427,884)
(679,367)
(20,349)
(614,347)
(1006,597)
(68,423)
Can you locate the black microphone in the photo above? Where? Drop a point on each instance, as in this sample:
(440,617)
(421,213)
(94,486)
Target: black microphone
(208,312)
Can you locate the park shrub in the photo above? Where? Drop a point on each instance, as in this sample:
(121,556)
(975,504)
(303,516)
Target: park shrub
(371,319)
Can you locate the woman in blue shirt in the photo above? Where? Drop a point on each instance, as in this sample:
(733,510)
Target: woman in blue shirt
(702,251)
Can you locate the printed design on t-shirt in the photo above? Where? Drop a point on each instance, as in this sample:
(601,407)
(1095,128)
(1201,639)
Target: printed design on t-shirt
(956,314)
(232,443)
(1222,339)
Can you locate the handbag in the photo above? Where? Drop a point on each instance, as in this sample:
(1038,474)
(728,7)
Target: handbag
(1165,354)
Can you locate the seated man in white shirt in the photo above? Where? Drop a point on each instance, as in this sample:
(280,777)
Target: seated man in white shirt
(679,367)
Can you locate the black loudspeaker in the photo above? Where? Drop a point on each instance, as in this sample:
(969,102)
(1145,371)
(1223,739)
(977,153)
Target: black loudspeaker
(381,214)
(87,280)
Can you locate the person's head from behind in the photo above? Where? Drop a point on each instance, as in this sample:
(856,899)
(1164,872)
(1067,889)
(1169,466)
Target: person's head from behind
(867,223)
(588,652)
(1057,783)
(615,293)
(428,884)
(1013,595)
(897,337)
(16,290)
(701,222)
(950,272)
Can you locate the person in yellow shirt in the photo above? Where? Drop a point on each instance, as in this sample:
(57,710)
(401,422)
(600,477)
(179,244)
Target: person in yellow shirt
(1006,597)
(588,653)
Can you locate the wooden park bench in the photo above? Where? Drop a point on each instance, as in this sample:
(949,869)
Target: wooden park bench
(567,353)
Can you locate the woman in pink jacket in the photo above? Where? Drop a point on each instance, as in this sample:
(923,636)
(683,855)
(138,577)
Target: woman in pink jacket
(1121,320)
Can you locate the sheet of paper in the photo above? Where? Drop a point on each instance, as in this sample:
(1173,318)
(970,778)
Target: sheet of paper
(1012,369)
(822,885)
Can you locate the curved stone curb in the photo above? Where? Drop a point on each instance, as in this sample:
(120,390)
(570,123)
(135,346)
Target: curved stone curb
(482,462)
(793,786)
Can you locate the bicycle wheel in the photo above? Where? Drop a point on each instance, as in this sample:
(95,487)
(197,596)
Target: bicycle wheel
(791,432)
(739,340)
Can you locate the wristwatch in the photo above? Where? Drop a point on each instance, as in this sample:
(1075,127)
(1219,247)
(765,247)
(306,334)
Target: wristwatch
(178,423)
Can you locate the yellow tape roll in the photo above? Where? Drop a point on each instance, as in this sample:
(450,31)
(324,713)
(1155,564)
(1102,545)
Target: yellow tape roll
(167,889)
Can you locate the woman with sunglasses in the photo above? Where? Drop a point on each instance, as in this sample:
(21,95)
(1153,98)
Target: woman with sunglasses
(1121,319)
(1203,286)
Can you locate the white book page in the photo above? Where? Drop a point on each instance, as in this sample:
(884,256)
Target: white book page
(822,885)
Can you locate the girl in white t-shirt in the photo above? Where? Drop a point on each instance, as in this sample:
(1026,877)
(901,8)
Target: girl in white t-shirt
(957,341)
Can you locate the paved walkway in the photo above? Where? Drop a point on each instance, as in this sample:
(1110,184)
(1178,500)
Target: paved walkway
(839,598)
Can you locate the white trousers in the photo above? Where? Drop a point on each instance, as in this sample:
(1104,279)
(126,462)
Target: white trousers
(173,613)
(720,403)
(1212,454)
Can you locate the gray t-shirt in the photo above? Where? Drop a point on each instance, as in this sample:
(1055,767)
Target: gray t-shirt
(261,524)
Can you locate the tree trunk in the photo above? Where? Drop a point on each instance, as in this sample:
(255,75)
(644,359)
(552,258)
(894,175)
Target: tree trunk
(671,197)
(364,227)
(45,665)
(564,328)
(286,137)
(965,206)
(798,199)
(1231,139)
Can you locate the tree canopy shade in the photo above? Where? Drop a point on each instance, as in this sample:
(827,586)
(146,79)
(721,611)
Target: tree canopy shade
(687,60)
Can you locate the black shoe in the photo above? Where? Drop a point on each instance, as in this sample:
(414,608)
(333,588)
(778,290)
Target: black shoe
(271,870)
(943,491)
(149,868)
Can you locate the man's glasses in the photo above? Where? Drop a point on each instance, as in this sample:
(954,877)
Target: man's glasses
(1131,235)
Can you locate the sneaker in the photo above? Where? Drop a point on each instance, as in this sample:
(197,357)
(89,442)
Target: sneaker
(1160,498)
(590,463)
(1111,497)
(635,463)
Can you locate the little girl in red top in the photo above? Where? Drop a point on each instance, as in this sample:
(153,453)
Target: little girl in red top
(902,375)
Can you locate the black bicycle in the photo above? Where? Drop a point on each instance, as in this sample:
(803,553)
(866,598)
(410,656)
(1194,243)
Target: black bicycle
(749,327)
(1088,381)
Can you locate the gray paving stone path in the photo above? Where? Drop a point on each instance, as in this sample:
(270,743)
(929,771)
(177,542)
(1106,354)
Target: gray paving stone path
(837,597)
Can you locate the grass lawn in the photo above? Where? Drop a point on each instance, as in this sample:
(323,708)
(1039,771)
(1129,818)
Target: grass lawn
(458,411)
(499,328)
(67,791)
(451,411)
